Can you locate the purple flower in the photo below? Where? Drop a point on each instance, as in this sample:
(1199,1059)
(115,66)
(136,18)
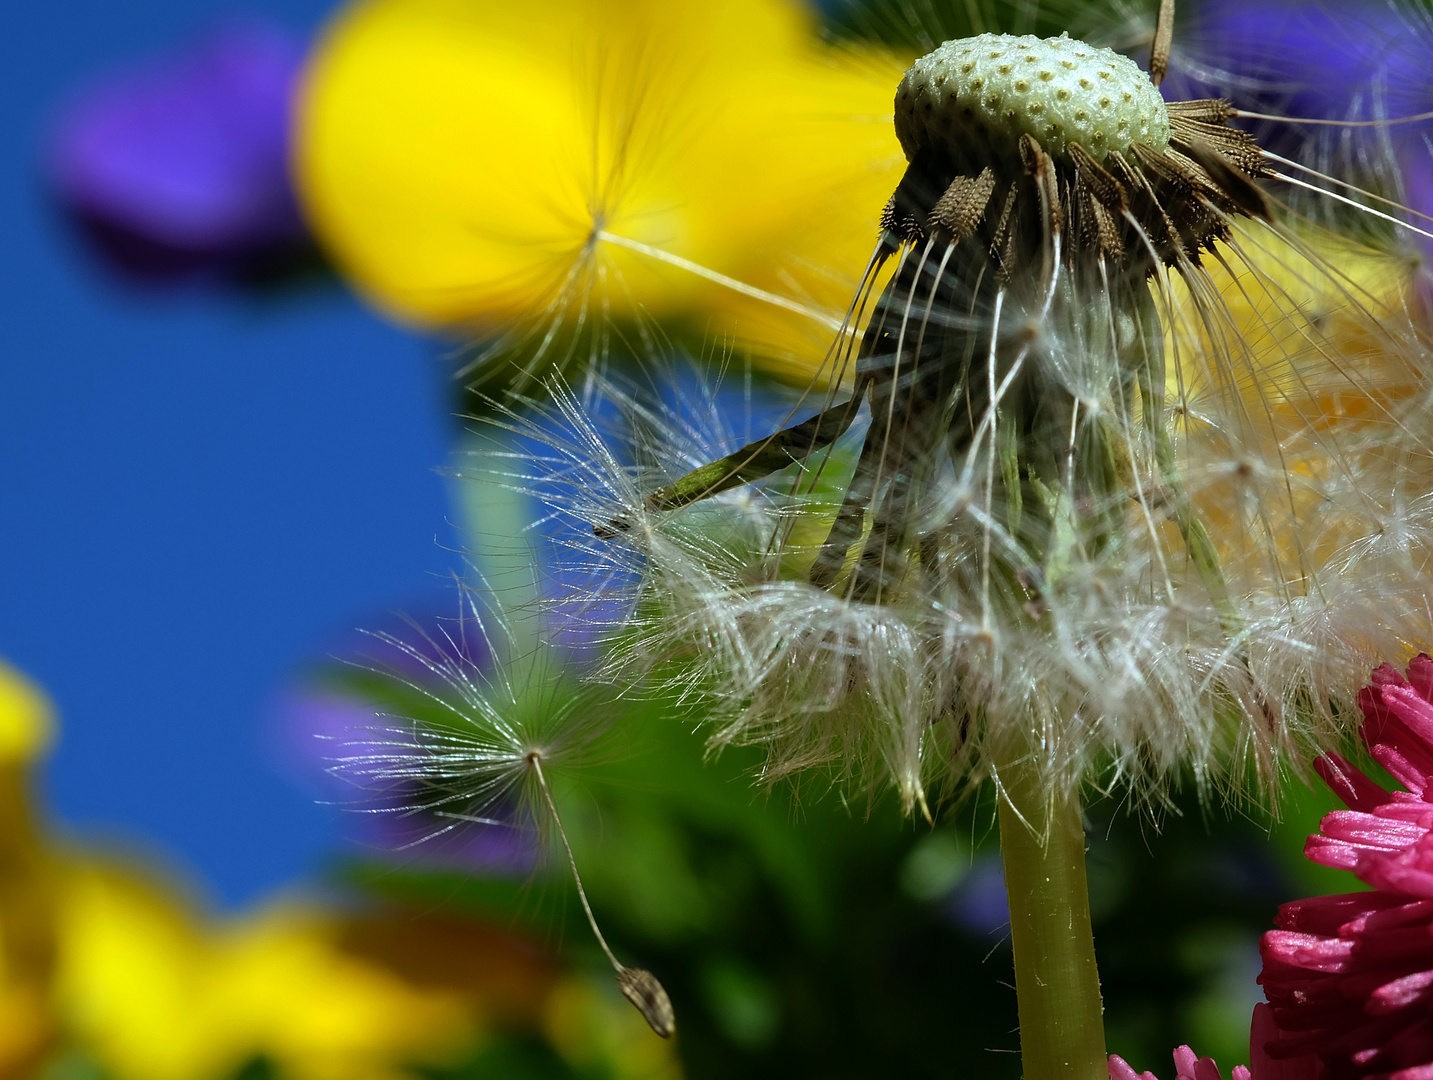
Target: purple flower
(979,904)
(316,727)
(1345,61)
(179,167)
(1336,61)
(321,731)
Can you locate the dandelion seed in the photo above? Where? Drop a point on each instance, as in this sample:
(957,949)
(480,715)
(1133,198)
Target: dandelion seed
(482,741)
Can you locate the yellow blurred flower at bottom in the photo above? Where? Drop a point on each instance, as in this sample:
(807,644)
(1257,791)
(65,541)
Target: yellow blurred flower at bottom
(27,725)
(590,1024)
(154,994)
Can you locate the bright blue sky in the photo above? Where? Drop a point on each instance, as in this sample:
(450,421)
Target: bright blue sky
(197,493)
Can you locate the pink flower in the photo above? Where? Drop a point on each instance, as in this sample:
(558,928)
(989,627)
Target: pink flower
(1261,1065)
(1186,1066)
(1349,978)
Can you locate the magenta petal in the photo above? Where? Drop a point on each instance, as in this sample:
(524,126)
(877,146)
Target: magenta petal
(1385,675)
(1398,765)
(1122,1070)
(1205,1069)
(1371,831)
(1413,709)
(1333,853)
(1420,675)
(1262,1031)
(1308,951)
(1394,878)
(1400,992)
(1325,915)
(1184,1063)
(1350,783)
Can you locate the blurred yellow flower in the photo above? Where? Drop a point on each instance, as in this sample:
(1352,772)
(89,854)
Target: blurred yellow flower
(471,164)
(1299,322)
(590,1025)
(27,723)
(113,963)
(156,994)
(26,886)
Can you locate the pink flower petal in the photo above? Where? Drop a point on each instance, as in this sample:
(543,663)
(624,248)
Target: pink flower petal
(1420,675)
(1121,1070)
(1350,783)
(1400,992)
(1308,951)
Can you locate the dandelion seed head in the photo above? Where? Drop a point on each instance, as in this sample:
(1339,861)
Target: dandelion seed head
(993,88)
(1113,658)
(1131,479)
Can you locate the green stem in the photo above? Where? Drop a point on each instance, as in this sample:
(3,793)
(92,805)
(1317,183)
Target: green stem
(1057,985)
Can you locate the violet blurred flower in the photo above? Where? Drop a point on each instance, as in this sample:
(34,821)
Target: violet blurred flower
(313,726)
(1357,61)
(1187,1067)
(980,905)
(179,167)
(1349,978)
(1351,61)
(316,726)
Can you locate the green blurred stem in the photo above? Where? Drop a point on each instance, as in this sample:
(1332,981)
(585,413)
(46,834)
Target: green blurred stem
(495,517)
(1057,985)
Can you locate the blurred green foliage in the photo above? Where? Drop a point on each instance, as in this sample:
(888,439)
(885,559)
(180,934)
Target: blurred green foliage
(803,932)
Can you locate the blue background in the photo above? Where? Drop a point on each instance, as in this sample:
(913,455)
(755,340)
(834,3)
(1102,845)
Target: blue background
(199,492)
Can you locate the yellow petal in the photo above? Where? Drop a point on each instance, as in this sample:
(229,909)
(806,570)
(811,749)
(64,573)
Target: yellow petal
(27,723)
(156,993)
(463,161)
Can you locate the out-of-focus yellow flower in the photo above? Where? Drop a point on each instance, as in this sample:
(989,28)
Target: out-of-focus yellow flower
(468,163)
(1299,335)
(157,995)
(115,964)
(26,880)
(589,1025)
(27,724)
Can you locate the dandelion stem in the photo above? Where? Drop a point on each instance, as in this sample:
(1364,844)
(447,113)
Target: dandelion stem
(1057,985)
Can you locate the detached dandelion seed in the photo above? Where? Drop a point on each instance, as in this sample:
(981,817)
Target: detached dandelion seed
(484,740)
